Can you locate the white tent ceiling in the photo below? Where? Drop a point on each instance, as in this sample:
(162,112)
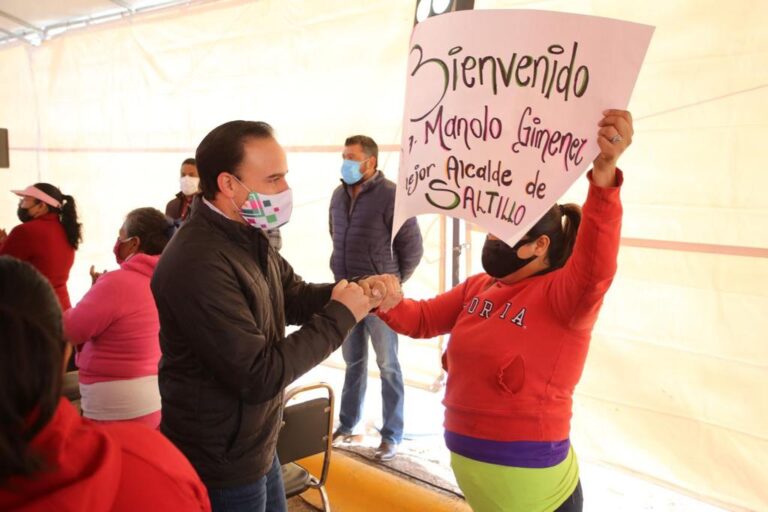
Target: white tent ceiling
(34,22)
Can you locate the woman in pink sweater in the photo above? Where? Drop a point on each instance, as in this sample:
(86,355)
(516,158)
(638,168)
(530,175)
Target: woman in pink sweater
(115,327)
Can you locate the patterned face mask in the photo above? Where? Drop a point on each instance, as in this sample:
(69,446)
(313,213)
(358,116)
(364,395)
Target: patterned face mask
(266,211)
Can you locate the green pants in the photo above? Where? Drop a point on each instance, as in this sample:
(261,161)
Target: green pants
(495,488)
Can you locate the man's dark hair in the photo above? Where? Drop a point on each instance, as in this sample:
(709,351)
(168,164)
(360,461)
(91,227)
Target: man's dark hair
(370,148)
(222,151)
(32,344)
(189,161)
(152,227)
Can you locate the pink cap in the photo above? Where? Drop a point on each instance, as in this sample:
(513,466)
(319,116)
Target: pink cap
(31,191)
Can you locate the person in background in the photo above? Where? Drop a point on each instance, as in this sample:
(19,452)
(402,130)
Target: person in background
(115,327)
(48,236)
(520,333)
(224,296)
(360,218)
(180,206)
(50,457)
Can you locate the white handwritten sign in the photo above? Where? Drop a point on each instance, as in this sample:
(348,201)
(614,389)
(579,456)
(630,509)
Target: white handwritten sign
(501,111)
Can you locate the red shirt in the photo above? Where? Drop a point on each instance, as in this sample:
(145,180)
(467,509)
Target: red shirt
(43,243)
(117,467)
(517,351)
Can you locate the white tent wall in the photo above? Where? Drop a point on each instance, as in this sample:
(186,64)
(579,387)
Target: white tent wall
(674,384)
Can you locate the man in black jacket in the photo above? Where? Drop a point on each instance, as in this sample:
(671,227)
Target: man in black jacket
(224,297)
(361,214)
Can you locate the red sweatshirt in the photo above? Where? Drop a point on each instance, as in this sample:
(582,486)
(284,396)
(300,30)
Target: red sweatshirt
(43,243)
(99,468)
(517,351)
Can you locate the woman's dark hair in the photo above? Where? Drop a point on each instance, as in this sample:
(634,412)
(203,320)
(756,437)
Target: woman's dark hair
(152,227)
(222,151)
(32,347)
(67,213)
(560,224)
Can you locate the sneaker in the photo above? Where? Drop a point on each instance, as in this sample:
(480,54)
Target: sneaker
(386,451)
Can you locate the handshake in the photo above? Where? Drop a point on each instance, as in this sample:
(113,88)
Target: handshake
(382,291)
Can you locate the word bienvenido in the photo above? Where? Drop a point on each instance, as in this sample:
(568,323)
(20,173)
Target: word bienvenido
(544,72)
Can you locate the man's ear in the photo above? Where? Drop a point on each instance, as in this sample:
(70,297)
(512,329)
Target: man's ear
(226,183)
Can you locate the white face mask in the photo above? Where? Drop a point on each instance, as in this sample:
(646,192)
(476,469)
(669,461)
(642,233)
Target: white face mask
(189,185)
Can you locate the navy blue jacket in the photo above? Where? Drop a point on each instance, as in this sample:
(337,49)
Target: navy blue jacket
(362,229)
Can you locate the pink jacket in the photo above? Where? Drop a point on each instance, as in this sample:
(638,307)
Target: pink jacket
(117,324)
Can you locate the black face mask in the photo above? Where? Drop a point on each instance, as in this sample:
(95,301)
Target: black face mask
(500,260)
(23,214)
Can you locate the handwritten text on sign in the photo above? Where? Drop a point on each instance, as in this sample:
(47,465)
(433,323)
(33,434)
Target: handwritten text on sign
(502,108)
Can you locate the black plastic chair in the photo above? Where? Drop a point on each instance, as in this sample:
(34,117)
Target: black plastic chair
(307,429)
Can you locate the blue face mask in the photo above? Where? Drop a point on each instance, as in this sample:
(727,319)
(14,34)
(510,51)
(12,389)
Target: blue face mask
(350,172)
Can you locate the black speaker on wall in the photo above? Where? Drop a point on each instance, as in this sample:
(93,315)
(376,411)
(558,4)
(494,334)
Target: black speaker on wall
(5,159)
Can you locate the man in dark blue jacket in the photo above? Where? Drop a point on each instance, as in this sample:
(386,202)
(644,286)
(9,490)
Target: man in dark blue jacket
(361,215)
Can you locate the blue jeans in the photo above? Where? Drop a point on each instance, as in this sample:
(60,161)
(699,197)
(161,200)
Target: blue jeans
(267,494)
(355,351)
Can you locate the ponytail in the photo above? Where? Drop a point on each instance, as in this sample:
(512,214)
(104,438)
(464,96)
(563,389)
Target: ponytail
(561,225)
(72,228)
(571,220)
(67,213)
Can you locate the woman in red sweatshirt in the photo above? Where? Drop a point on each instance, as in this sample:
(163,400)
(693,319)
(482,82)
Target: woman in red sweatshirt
(48,235)
(519,339)
(50,457)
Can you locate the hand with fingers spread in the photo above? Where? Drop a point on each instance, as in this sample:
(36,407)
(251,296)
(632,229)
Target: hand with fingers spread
(613,138)
(353,297)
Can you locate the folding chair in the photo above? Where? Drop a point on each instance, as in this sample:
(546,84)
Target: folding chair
(307,429)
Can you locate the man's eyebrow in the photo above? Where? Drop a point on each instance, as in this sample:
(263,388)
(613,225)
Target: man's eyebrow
(277,174)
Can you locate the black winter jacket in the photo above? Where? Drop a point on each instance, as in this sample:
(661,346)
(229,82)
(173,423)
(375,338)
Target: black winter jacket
(224,297)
